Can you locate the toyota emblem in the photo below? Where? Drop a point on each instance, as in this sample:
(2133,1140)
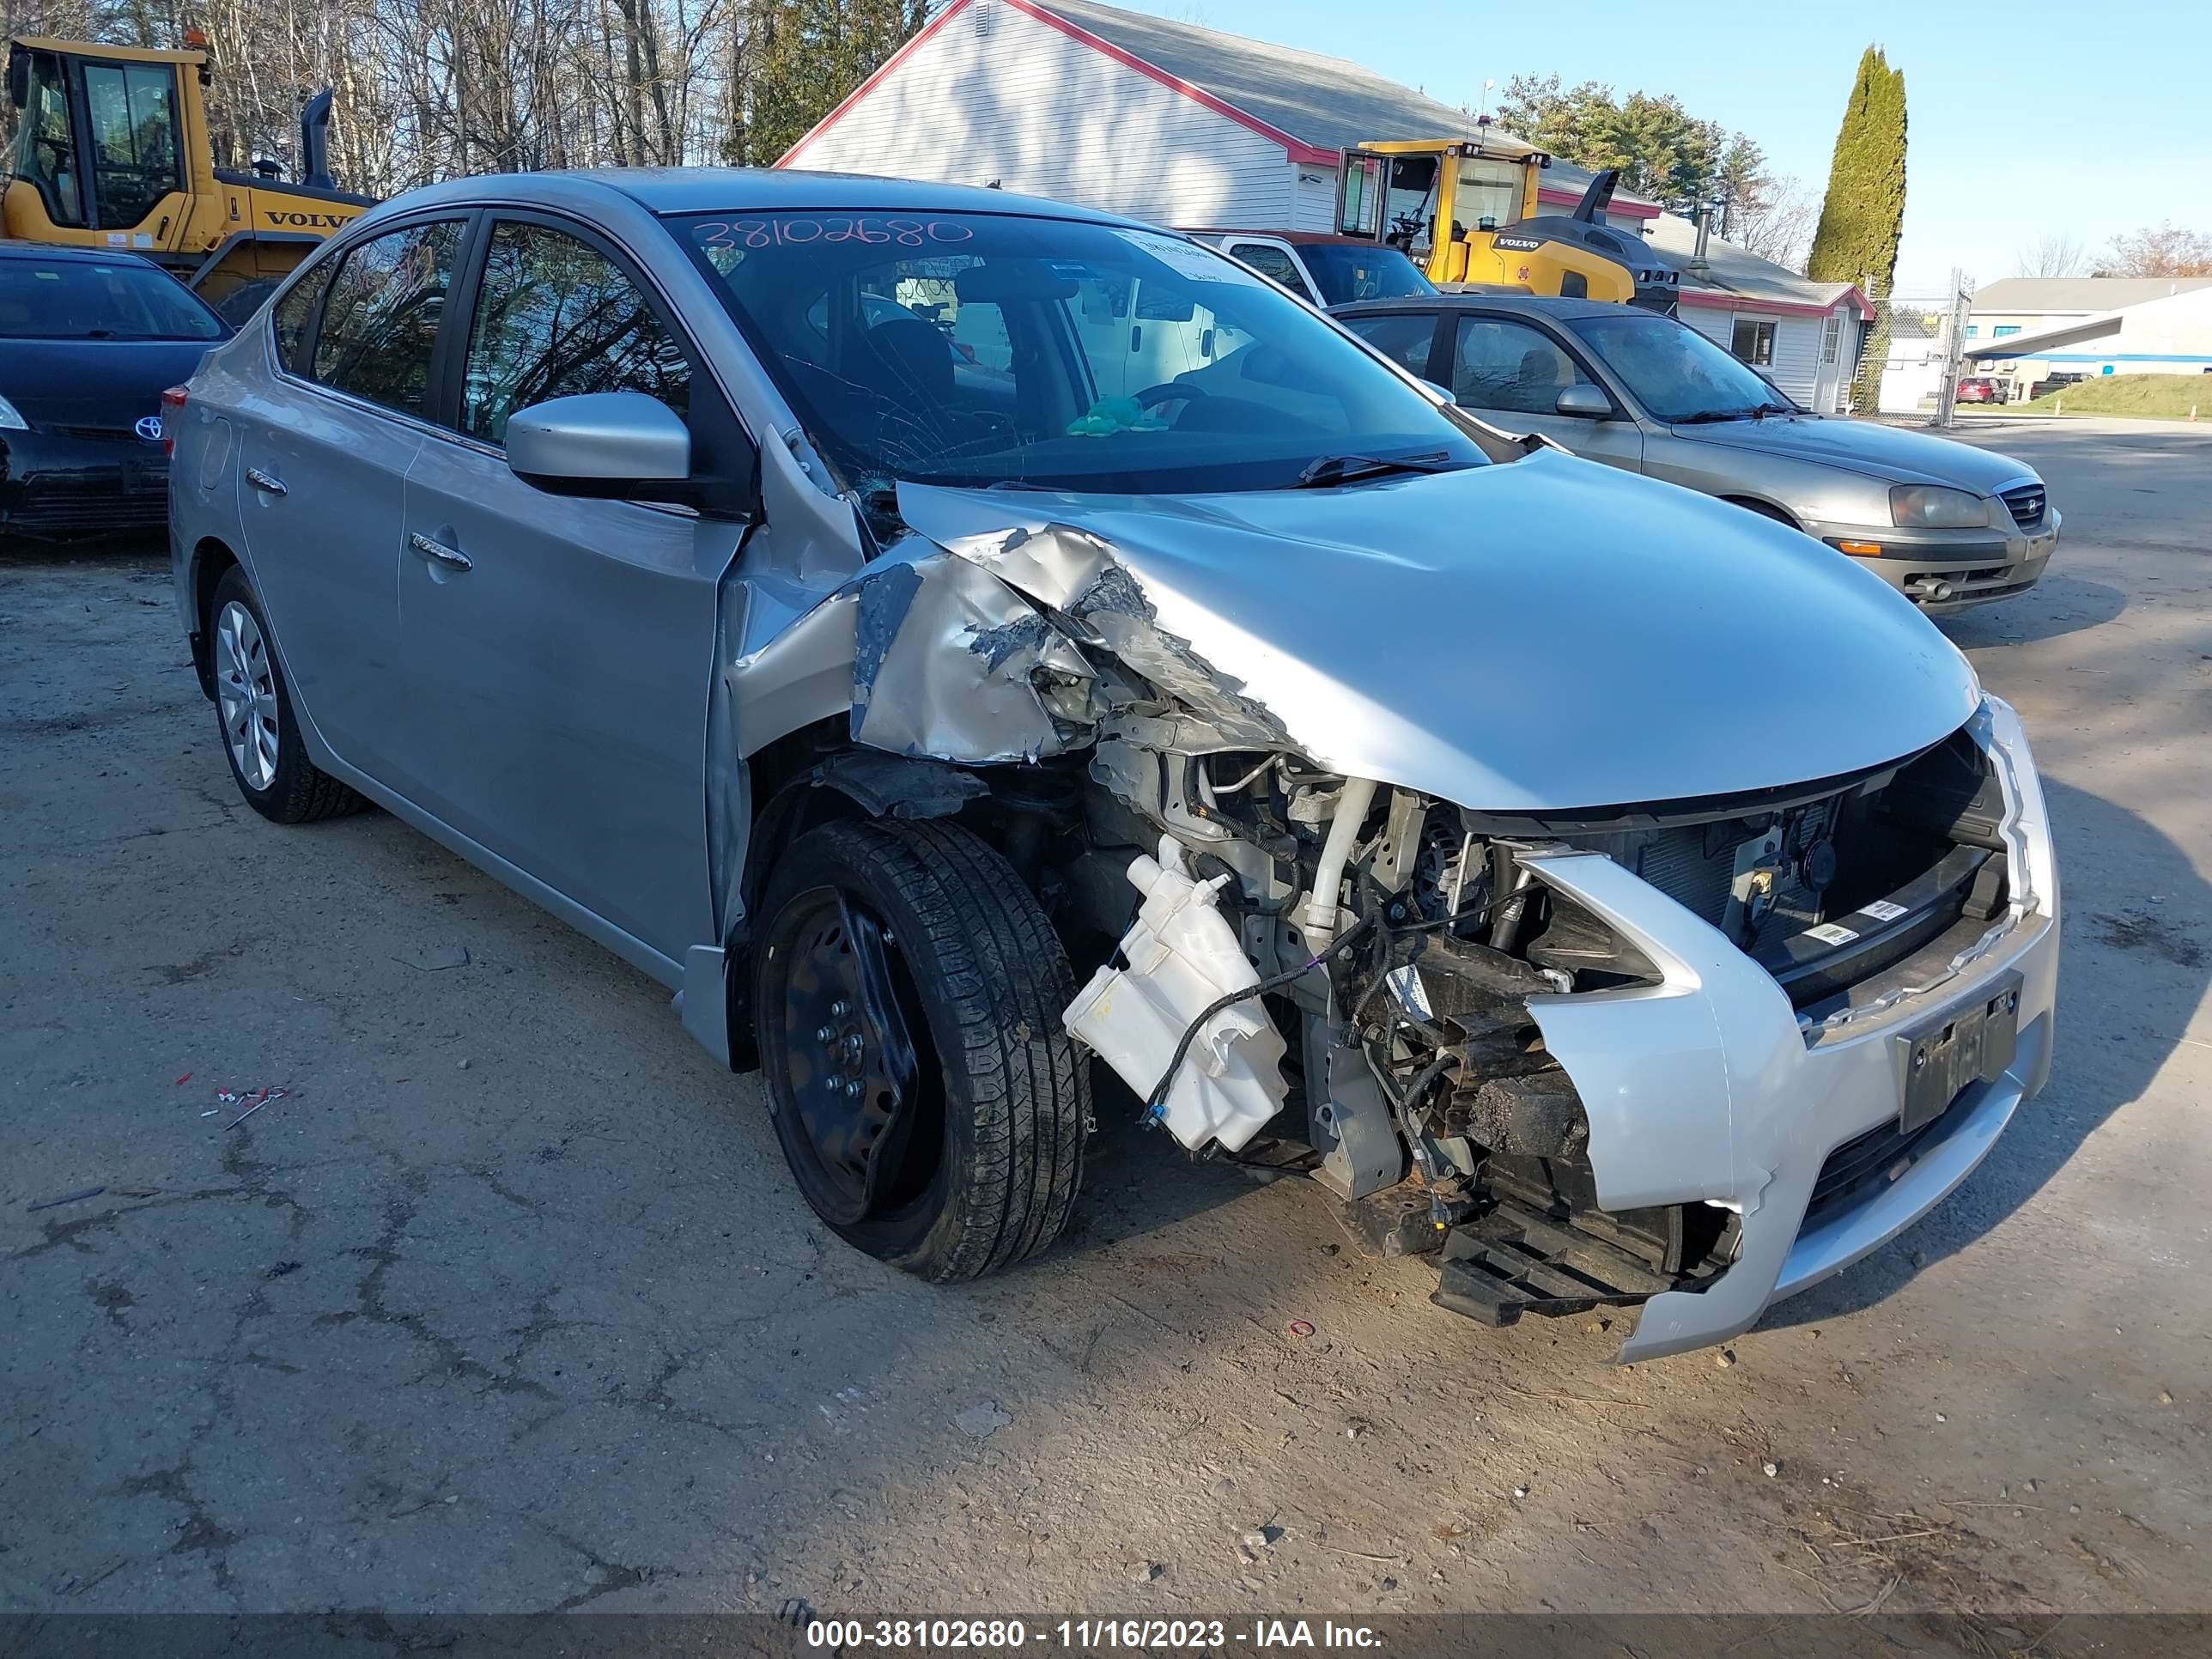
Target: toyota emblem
(148,428)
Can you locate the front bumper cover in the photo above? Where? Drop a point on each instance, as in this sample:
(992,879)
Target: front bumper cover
(1977,566)
(1709,1087)
(55,483)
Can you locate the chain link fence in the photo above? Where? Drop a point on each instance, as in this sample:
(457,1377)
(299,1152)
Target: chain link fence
(1914,355)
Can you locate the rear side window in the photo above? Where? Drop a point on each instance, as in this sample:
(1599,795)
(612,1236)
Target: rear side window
(291,315)
(1270,261)
(556,319)
(380,323)
(1402,337)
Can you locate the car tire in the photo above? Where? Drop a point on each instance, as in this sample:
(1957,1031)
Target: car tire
(253,715)
(962,1154)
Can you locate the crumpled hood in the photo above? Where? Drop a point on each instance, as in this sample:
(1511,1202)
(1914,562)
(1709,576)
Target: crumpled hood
(1880,452)
(1536,636)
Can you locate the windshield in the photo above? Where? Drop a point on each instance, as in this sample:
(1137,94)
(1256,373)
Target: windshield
(1676,373)
(109,300)
(983,348)
(1347,271)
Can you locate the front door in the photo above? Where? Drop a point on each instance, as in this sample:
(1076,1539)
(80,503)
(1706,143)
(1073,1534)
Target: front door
(1510,372)
(323,460)
(559,651)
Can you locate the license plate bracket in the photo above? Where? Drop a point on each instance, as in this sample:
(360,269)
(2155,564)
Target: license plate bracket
(1969,1042)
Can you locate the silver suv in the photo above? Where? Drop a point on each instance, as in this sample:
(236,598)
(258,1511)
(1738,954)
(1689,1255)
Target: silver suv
(1612,895)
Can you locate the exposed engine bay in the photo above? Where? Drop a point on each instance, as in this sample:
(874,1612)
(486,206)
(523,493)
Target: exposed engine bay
(1412,1000)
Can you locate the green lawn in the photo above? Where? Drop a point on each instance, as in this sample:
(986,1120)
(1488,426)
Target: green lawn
(2158,396)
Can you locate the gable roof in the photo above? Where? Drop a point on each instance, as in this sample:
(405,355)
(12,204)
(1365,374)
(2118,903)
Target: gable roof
(1738,273)
(1326,103)
(1314,105)
(2082,293)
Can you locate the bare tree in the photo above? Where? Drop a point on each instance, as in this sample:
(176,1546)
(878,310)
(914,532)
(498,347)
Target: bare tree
(1776,220)
(2055,255)
(2162,250)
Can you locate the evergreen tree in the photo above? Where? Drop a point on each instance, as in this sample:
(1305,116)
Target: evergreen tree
(793,60)
(1863,214)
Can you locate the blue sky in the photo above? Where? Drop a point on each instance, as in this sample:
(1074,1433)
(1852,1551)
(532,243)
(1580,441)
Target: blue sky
(2027,117)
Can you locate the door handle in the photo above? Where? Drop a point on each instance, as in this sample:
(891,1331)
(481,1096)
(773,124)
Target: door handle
(438,550)
(262,482)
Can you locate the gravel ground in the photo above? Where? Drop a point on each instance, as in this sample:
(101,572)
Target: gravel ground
(510,1305)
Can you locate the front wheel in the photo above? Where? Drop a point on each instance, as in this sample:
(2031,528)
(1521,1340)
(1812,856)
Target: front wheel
(909,991)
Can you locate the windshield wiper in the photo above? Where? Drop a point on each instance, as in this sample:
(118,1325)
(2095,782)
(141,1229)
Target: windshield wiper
(1704,415)
(1326,471)
(1765,410)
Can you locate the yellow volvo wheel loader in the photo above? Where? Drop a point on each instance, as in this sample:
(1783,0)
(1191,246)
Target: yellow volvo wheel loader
(112,151)
(1468,211)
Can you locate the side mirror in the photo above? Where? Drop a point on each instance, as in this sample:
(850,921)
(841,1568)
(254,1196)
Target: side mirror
(19,75)
(1589,402)
(614,446)
(1445,393)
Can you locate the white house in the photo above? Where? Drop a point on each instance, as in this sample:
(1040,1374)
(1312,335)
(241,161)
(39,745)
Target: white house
(1184,125)
(2146,325)
(1131,113)
(1803,336)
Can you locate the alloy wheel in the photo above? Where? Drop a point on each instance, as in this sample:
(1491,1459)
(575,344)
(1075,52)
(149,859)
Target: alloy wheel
(246,690)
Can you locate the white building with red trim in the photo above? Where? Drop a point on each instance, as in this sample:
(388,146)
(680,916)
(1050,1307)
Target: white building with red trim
(1182,125)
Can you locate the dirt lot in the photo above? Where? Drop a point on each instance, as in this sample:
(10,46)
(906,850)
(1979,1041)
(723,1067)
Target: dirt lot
(511,1305)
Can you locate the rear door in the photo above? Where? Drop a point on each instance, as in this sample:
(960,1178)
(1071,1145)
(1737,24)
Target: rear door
(1510,372)
(323,457)
(558,651)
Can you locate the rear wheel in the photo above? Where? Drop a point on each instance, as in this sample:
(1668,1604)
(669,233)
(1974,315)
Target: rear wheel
(253,707)
(909,990)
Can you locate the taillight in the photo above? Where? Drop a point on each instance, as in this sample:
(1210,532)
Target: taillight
(172,410)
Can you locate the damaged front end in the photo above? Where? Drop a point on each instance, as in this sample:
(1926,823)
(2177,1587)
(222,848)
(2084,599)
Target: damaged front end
(1688,1055)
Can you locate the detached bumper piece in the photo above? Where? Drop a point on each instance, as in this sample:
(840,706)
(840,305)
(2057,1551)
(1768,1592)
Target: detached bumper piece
(1515,1259)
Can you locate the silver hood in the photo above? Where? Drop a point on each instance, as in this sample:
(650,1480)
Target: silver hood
(1537,636)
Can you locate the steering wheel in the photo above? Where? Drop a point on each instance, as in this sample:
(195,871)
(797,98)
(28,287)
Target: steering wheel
(1168,391)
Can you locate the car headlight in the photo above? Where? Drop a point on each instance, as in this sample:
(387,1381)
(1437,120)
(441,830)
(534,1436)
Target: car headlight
(9,420)
(1931,507)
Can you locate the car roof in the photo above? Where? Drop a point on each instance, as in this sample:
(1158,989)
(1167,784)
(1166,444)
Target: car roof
(755,189)
(1296,238)
(16,249)
(1537,305)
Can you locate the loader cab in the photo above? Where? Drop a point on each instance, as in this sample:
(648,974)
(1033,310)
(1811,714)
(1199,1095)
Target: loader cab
(1426,196)
(98,139)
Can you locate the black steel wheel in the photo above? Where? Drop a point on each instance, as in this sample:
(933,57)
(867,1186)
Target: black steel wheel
(908,990)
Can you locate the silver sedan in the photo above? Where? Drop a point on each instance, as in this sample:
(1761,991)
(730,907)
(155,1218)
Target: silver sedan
(1634,905)
(1948,525)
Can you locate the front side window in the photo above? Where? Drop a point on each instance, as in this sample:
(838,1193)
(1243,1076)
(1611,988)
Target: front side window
(1272,262)
(118,298)
(1753,343)
(134,138)
(44,153)
(1083,356)
(555,318)
(381,322)
(1499,364)
(1674,371)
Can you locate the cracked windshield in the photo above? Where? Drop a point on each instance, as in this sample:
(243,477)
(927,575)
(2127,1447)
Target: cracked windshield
(982,350)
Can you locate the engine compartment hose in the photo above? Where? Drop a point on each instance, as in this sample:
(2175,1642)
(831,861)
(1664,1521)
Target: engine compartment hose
(1321,910)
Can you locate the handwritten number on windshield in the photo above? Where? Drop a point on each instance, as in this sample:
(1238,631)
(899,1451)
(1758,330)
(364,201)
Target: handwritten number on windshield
(797,231)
